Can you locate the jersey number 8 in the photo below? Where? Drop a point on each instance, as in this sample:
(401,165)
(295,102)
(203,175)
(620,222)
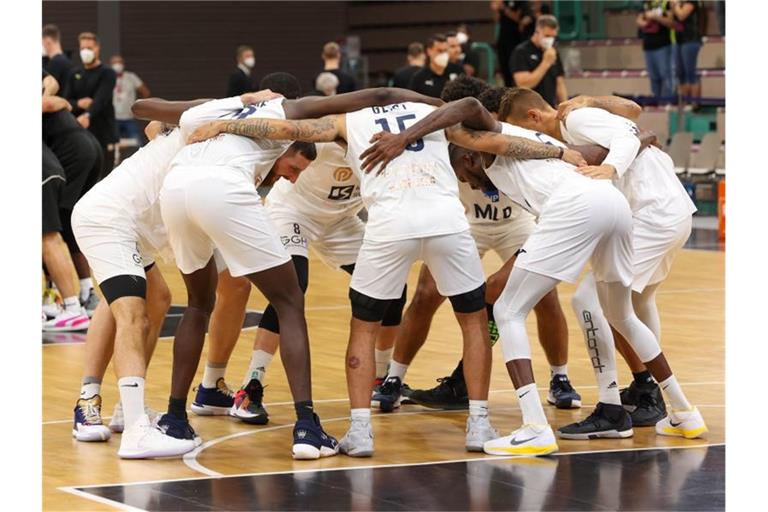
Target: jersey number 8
(384,123)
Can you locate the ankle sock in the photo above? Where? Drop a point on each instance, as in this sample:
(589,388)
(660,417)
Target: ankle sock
(213,372)
(304,410)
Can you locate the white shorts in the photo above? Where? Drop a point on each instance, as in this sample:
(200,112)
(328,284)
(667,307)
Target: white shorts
(655,248)
(576,227)
(505,241)
(207,208)
(111,248)
(382,267)
(337,243)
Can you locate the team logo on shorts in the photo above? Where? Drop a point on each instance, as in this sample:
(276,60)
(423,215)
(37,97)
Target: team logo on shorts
(137,256)
(342,174)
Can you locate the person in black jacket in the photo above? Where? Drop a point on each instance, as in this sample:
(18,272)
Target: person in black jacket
(240,81)
(416,60)
(90,93)
(58,65)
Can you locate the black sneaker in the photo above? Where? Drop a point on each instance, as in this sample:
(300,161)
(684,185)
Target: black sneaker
(406,392)
(310,441)
(177,427)
(607,420)
(390,394)
(248,404)
(561,393)
(644,404)
(450,394)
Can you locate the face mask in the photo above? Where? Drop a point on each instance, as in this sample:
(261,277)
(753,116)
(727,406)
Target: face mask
(441,59)
(462,37)
(249,62)
(118,68)
(87,55)
(547,42)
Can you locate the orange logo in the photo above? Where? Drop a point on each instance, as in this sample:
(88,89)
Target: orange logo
(342,174)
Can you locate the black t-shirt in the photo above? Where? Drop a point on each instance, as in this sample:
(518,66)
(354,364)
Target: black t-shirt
(471,57)
(689,29)
(402,77)
(239,83)
(426,82)
(527,57)
(509,30)
(346,81)
(60,67)
(97,83)
(655,35)
(57,124)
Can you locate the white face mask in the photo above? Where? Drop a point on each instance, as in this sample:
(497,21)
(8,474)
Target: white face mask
(547,42)
(441,59)
(87,55)
(119,68)
(249,62)
(462,37)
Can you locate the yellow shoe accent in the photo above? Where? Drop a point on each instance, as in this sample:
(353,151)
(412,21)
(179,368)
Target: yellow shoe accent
(672,431)
(528,450)
(696,432)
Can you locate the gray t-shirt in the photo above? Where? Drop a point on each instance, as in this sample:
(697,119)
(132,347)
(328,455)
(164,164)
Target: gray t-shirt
(125,94)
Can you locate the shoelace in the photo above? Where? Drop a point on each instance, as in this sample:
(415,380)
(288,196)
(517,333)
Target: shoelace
(389,387)
(92,413)
(564,385)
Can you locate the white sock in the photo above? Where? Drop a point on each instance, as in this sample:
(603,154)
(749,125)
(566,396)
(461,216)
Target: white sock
(363,415)
(90,389)
(397,370)
(382,361)
(478,408)
(72,304)
(559,370)
(86,285)
(132,398)
(675,394)
(260,359)
(530,404)
(213,372)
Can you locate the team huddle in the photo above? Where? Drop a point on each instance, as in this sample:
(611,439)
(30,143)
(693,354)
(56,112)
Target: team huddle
(442,182)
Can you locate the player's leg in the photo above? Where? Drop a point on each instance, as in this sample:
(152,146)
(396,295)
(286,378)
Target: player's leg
(521,293)
(213,396)
(58,262)
(384,348)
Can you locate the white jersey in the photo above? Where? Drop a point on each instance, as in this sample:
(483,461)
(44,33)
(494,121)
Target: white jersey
(530,183)
(129,193)
(326,191)
(417,195)
(647,180)
(253,158)
(487,210)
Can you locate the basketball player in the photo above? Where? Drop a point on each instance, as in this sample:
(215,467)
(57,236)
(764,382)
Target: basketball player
(414,212)
(661,213)
(580,220)
(208,200)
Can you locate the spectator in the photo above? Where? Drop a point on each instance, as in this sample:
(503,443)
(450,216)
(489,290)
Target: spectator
(90,94)
(431,79)
(326,84)
(58,65)
(128,86)
(655,24)
(416,60)
(470,58)
(513,18)
(332,63)
(241,81)
(690,19)
(454,48)
(535,63)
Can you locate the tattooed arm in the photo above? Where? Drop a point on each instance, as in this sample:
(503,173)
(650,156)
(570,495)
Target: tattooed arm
(511,146)
(326,129)
(613,104)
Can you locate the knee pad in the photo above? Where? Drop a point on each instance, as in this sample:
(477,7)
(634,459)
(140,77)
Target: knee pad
(269,320)
(349,269)
(123,286)
(469,302)
(394,314)
(367,308)
(302,271)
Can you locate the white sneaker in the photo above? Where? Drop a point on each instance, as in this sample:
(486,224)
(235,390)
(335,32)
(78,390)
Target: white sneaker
(688,424)
(88,426)
(358,441)
(479,431)
(143,440)
(117,422)
(527,440)
(51,306)
(67,321)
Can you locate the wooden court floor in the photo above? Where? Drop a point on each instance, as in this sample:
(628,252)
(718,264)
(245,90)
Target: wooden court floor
(692,305)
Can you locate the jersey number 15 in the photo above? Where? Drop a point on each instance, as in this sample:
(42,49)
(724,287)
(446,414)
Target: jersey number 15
(384,123)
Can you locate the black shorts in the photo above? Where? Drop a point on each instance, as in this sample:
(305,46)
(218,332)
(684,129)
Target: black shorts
(79,155)
(53,182)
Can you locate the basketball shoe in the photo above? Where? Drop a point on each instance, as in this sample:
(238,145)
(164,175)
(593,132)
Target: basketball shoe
(178,428)
(561,393)
(215,401)
(117,421)
(377,382)
(358,441)
(688,424)
(67,321)
(88,425)
(389,395)
(607,420)
(248,406)
(51,303)
(143,440)
(91,303)
(479,432)
(449,394)
(527,440)
(645,404)
(311,442)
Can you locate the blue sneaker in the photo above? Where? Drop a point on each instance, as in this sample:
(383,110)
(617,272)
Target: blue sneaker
(311,442)
(216,401)
(390,394)
(88,426)
(179,428)
(561,393)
